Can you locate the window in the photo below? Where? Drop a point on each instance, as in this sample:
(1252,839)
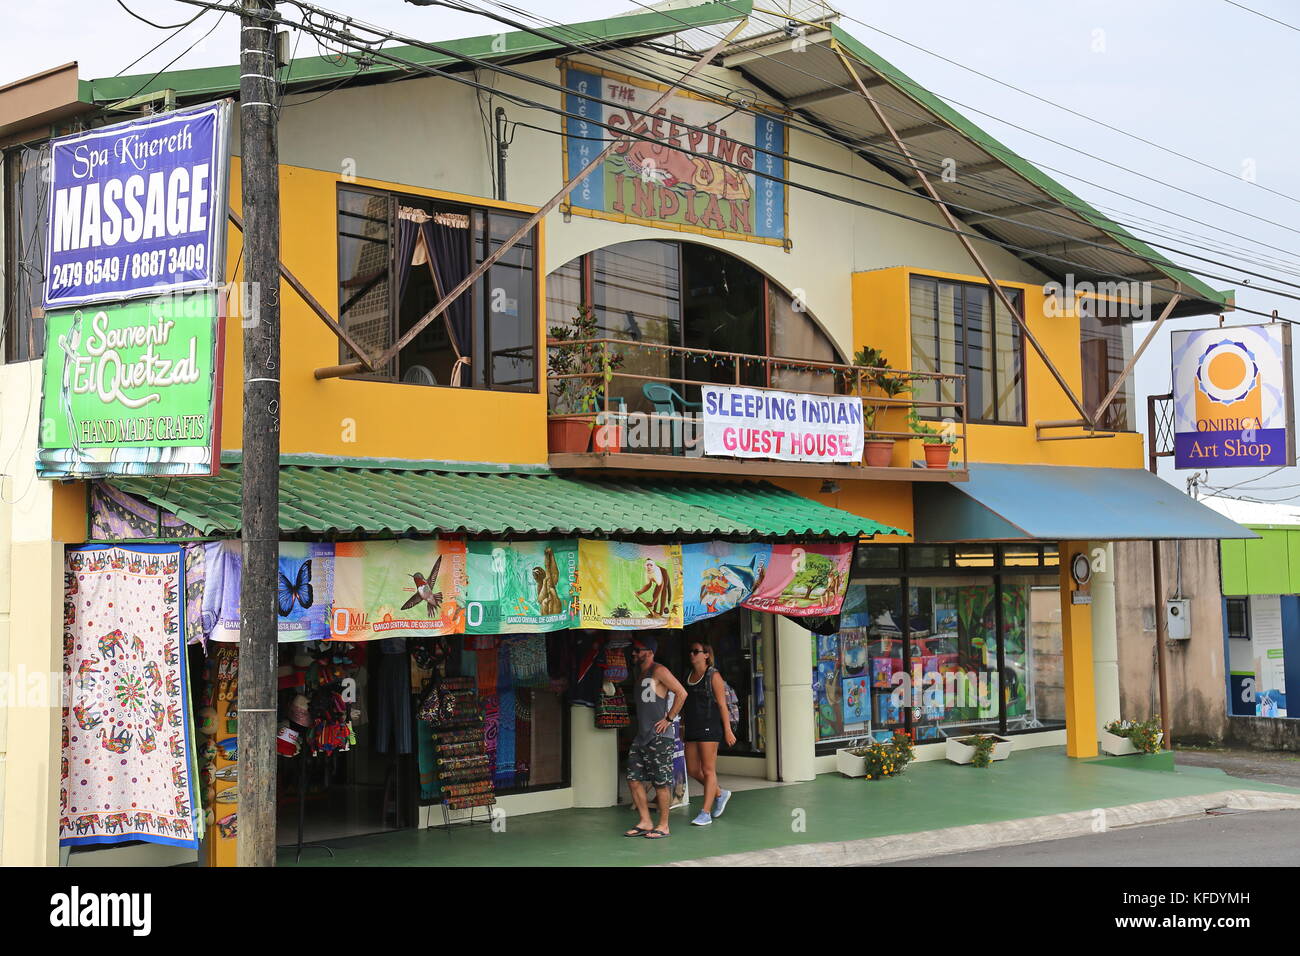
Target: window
(691,296)
(1106,348)
(960,328)
(1238,617)
(25,214)
(398,256)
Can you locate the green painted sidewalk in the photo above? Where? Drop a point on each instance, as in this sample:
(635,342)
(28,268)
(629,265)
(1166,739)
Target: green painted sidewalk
(929,796)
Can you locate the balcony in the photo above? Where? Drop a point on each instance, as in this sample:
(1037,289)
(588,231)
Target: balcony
(636,406)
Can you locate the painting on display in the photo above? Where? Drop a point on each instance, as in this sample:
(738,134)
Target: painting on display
(126,769)
(720,177)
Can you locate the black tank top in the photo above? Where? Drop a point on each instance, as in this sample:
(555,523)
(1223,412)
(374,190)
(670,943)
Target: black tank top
(701,705)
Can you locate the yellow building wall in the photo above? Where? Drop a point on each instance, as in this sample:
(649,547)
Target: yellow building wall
(354,418)
(882,319)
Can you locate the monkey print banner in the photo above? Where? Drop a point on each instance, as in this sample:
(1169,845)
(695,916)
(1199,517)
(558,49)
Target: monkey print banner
(804,580)
(626,586)
(398,589)
(520,587)
(126,772)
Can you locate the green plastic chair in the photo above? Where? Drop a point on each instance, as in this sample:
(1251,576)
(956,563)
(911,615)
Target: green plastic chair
(668,402)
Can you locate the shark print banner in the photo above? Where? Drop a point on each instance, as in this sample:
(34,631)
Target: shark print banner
(126,771)
(804,580)
(398,589)
(718,575)
(520,587)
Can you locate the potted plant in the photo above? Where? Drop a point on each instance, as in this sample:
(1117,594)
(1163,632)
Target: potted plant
(575,400)
(1122,737)
(850,760)
(937,443)
(885,758)
(879,377)
(978,750)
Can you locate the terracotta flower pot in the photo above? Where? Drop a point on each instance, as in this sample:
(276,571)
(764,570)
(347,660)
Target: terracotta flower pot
(607,438)
(878,454)
(567,434)
(936,456)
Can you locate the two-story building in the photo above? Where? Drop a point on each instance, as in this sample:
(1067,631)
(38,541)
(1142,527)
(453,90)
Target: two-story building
(758,230)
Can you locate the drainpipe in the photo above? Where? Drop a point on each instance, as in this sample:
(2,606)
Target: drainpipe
(503,145)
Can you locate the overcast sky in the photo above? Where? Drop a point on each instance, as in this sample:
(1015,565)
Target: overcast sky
(1201,77)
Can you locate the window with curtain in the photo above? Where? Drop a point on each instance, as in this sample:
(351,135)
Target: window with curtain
(1105,349)
(399,255)
(961,328)
(24,222)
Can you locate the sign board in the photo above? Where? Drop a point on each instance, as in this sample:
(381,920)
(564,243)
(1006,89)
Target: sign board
(788,426)
(132,388)
(1232,397)
(138,208)
(712,177)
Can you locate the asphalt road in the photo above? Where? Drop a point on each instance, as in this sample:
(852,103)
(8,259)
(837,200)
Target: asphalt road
(1258,839)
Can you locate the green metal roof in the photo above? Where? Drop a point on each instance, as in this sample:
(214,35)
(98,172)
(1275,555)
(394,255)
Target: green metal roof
(511,46)
(387,502)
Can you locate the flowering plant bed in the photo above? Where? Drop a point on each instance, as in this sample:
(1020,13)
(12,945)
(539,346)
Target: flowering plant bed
(1122,737)
(978,750)
(882,759)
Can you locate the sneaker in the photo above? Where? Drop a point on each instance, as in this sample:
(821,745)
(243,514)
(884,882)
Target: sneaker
(720,803)
(703,820)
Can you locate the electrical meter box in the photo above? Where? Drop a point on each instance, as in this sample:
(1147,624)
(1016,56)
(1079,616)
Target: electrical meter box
(1178,619)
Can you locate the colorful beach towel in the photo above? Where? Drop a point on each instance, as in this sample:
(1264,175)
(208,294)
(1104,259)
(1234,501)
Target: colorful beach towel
(718,575)
(304,593)
(804,580)
(126,769)
(388,588)
(520,586)
(626,586)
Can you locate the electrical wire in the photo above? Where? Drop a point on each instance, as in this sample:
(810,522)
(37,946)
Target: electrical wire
(350,40)
(158,26)
(179,55)
(1281,23)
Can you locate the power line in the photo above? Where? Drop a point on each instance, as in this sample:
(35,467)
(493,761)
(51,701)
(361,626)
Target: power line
(158,26)
(1281,23)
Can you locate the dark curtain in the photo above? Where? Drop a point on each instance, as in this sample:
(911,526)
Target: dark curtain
(449,249)
(407,231)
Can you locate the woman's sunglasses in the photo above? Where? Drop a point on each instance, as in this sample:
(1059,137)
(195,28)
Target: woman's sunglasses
(697,650)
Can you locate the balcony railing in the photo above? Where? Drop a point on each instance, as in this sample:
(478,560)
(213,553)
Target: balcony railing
(643,400)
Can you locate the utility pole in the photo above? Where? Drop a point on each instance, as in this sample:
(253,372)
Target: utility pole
(259,177)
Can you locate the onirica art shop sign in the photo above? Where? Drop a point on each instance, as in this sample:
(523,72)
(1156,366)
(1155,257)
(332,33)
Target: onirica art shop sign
(138,208)
(696,164)
(1232,397)
(788,426)
(132,388)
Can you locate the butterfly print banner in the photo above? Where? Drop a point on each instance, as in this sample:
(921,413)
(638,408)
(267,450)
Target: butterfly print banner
(304,591)
(126,772)
(398,588)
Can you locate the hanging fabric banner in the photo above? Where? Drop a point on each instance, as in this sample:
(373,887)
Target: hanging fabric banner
(398,588)
(627,586)
(126,769)
(804,580)
(520,586)
(304,595)
(718,575)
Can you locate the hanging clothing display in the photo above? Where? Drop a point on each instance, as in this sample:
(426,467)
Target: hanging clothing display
(393,731)
(127,769)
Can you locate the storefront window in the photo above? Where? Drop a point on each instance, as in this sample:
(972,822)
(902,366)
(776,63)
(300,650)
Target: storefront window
(1043,667)
(954,662)
(853,686)
(399,255)
(960,328)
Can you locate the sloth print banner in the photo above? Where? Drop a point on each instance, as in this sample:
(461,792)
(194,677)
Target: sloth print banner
(518,587)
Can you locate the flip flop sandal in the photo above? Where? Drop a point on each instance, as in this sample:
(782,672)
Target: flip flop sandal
(636,832)
(657,835)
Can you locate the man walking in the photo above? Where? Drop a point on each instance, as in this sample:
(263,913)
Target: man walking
(659,698)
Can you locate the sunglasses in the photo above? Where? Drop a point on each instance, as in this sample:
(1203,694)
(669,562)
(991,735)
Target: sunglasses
(697,650)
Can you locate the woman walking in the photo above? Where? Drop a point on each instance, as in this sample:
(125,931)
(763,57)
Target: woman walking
(707,725)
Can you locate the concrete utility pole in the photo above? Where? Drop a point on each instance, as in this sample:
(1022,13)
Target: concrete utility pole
(261,455)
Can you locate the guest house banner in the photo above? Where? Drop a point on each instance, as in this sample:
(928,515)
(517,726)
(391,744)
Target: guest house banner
(788,426)
(696,164)
(138,208)
(804,580)
(627,586)
(520,586)
(132,388)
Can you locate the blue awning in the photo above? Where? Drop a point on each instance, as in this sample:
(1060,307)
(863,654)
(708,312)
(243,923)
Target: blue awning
(1063,503)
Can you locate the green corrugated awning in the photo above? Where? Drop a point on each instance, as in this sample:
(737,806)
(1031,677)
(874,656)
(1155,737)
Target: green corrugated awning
(387,502)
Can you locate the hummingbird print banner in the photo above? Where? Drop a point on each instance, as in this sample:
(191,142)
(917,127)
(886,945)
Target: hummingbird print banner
(304,594)
(718,575)
(804,580)
(398,589)
(627,586)
(126,771)
(520,587)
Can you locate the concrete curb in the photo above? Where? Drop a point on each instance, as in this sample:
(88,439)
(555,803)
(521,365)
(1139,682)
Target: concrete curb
(985,836)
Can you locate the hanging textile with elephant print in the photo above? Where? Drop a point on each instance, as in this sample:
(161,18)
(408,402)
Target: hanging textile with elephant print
(126,771)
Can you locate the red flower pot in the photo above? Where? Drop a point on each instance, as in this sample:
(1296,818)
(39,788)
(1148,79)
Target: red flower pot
(568,434)
(607,438)
(936,456)
(878,454)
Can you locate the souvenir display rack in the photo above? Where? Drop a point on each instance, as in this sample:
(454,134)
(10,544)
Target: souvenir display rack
(464,768)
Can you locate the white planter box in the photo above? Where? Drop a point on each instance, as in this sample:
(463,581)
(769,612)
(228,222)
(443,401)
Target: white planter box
(961,753)
(850,765)
(1120,746)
